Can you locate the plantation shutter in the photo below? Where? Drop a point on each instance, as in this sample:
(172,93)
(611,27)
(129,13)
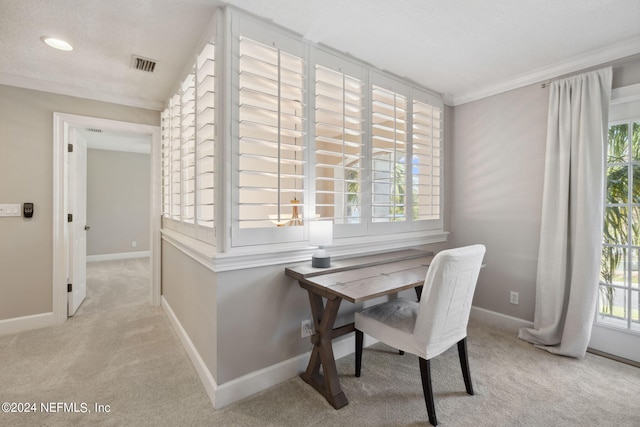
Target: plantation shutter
(187,148)
(271,136)
(166,163)
(389,145)
(205,136)
(175,157)
(338,146)
(426,161)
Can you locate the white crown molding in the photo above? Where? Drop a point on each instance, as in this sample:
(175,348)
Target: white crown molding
(79,92)
(600,56)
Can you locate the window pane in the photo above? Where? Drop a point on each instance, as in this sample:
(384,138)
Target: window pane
(635,190)
(635,311)
(166,163)
(612,267)
(425,165)
(618,144)
(205,122)
(338,146)
(187,148)
(175,157)
(633,280)
(635,141)
(635,227)
(271,157)
(616,225)
(611,302)
(618,184)
(388,115)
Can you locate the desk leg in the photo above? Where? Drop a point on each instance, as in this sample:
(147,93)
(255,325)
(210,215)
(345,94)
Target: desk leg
(326,383)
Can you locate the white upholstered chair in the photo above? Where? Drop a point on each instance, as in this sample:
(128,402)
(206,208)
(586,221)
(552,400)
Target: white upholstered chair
(433,325)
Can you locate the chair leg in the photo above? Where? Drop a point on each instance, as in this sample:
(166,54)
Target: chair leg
(464,364)
(359,339)
(425,372)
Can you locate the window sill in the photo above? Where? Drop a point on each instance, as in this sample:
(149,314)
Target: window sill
(265,255)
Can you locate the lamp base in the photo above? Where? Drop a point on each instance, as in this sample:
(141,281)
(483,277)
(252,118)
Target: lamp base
(321,261)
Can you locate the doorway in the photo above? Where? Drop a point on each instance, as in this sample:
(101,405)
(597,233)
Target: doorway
(616,328)
(64,126)
(117,212)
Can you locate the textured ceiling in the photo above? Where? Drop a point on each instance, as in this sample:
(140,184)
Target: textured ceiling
(104,33)
(464,49)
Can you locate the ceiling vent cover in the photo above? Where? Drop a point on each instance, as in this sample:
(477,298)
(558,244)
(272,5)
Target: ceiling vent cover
(143,64)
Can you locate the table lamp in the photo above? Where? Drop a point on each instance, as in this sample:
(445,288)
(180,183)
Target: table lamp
(320,235)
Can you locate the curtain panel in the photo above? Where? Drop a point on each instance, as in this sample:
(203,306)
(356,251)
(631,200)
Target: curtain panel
(572,213)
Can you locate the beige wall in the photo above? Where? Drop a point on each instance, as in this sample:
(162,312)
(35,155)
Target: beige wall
(26,170)
(190,289)
(245,320)
(497,177)
(118,199)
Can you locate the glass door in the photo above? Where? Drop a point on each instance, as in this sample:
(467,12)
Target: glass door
(617,325)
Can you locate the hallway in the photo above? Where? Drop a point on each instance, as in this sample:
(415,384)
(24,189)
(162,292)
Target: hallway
(118,352)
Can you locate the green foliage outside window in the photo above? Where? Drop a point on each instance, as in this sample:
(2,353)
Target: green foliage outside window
(621,227)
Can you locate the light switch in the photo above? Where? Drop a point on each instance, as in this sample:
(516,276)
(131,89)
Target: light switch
(10,210)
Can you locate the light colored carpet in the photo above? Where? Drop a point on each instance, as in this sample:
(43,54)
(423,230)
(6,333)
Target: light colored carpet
(118,351)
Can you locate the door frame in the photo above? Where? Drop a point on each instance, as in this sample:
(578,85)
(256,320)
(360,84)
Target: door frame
(77,230)
(618,342)
(61,124)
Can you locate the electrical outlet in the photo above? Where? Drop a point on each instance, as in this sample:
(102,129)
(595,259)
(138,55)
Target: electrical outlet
(134,244)
(306,328)
(513,297)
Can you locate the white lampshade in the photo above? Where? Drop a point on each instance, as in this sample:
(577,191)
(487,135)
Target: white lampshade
(320,233)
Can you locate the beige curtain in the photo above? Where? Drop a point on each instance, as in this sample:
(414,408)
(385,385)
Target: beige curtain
(572,205)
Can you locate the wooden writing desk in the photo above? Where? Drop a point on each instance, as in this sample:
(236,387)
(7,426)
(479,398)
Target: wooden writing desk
(354,280)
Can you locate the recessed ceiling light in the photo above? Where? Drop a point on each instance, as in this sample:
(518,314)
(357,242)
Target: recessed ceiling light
(56,43)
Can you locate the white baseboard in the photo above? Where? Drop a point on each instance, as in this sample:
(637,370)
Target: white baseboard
(254,382)
(262,379)
(26,323)
(498,320)
(201,368)
(121,255)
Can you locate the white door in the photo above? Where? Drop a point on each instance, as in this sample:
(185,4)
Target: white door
(77,203)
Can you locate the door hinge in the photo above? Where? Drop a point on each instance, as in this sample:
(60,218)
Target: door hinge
(69,217)
(69,287)
(70,148)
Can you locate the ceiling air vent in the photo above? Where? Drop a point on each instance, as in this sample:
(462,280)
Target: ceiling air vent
(143,64)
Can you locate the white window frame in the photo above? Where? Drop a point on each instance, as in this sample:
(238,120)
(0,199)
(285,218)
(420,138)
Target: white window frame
(178,218)
(410,94)
(627,288)
(326,59)
(432,224)
(253,30)
(243,247)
